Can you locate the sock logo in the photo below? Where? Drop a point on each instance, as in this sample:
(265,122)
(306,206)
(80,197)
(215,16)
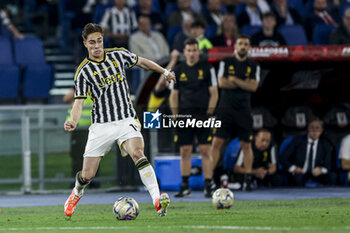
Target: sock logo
(147,174)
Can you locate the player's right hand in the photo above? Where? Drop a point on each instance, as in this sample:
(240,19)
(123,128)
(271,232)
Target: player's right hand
(69,126)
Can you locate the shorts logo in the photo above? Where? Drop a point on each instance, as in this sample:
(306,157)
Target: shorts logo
(151,120)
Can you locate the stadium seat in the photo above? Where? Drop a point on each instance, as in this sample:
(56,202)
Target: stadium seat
(172,31)
(230,155)
(6,32)
(170,8)
(296,4)
(37,81)
(250,30)
(9,79)
(295,120)
(293,34)
(29,51)
(281,172)
(6,56)
(99,11)
(321,33)
(239,9)
(156,6)
(210,31)
(283,146)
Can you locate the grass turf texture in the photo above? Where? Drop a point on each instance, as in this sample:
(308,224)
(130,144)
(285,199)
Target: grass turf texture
(309,215)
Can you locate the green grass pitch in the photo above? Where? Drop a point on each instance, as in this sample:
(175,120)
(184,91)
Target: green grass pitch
(309,215)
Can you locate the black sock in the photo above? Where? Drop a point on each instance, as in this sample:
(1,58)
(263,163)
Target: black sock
(207,181)
(185,181)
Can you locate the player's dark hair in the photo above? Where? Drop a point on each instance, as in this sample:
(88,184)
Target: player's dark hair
(91,28)
(242,36)
(190,41)
(268,14)
(198,24)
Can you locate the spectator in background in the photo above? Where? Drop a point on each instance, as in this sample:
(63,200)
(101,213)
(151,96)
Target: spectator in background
(319,16)
(344,154)
(264,162)
(183,13)
(230,5)
(147,43)
(309,157)
(5,20)
(179,39)
(228,32)
(197,32)
(268,36)
(119,22)
(214,16)
(251,15)
(145,10)
(341,36)
(285,15)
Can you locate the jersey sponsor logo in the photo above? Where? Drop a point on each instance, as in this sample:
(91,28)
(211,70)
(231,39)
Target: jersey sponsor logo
(183,77)
(114,78)
(200,74)
(151,120)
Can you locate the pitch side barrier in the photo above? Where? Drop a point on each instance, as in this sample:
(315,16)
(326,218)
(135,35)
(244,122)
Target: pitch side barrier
(30,130)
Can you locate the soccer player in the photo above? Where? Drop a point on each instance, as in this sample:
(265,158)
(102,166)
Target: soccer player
(102,76)
(195,93)
(238,77)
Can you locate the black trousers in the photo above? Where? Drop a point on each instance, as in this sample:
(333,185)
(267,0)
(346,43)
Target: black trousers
(326,179)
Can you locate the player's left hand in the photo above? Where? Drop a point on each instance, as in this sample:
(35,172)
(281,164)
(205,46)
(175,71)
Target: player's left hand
(171,76)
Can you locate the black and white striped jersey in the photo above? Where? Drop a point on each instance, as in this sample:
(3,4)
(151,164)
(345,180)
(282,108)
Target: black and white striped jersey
(119,22)
(105,82)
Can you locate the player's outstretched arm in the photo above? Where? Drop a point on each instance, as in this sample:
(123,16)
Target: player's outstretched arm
(150,65)
(74,115)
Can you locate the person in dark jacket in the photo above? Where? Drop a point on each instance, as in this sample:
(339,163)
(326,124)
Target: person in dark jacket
(309,157)
(341,35)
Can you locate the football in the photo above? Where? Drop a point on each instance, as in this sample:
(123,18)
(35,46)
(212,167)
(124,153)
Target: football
(126,208)
(223,198)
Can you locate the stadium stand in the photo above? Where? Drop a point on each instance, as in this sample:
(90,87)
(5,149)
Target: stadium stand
(321,34)
(293,34)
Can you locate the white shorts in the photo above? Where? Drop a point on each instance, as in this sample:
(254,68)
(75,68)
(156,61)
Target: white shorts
(102,136)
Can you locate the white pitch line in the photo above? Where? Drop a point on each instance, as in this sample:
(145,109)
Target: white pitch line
(256,228)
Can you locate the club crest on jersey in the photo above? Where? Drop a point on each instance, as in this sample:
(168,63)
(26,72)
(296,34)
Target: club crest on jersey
(151,120)
(200,74)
